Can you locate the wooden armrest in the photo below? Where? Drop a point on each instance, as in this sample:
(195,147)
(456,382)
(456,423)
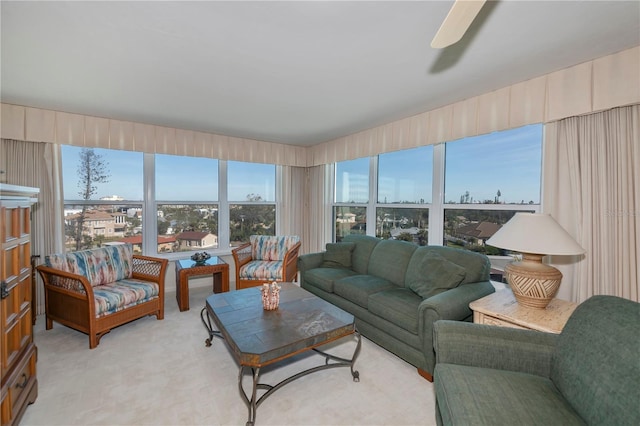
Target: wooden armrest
(290,263)
(65,280)
(242,255)
(149,268)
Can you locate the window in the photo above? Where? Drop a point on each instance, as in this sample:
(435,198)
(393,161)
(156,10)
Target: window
(405,181)
(181,198)
(187,203)
(252,195)
(103,197)
(483,180)
(498,168)
(351,197)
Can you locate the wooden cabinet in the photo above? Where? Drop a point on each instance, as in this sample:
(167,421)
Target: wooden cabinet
(17,349)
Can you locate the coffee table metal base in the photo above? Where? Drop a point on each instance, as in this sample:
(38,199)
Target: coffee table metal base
(251,399)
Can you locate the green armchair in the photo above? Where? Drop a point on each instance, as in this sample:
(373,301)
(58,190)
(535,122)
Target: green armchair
(588,374)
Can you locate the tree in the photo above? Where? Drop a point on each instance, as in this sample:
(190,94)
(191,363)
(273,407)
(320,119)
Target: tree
(92,169)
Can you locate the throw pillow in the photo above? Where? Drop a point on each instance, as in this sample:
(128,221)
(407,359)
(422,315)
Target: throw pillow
(439,275)
(338,255)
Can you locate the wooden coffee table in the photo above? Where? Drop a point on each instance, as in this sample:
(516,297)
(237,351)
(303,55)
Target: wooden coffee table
(258,338)
(186,268)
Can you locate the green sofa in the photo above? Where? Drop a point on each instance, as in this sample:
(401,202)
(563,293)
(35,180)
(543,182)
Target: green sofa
(396,290)
(588,374)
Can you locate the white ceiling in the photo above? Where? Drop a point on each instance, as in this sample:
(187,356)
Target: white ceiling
(291,72)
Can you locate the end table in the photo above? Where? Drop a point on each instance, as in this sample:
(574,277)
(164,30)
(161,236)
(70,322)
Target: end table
(501,309)
(186,268)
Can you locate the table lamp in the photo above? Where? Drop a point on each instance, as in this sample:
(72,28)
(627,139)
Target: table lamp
(534,235)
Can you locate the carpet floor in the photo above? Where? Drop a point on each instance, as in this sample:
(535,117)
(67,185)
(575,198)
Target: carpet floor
(151,372)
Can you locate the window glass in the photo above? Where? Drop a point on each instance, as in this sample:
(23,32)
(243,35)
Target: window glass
(103,192)
(180,178)
(101,174)
(187,227)
(251,181)
(349,220)
(498,168)
(89,226)
(407,224)
(251,219)
(405,176)
(352,181)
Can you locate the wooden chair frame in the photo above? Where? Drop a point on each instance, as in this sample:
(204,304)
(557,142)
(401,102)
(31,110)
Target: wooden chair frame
(69,299)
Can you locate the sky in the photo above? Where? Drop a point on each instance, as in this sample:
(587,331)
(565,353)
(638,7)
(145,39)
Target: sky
(508,161)
(178,178)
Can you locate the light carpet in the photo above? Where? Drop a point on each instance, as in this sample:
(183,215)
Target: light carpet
(151,372)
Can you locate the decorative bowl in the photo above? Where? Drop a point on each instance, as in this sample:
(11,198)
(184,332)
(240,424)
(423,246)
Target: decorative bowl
(200,258)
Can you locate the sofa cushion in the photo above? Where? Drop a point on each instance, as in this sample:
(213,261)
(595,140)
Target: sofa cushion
(484,396)
(270,247)
(268,270)
(338,255)
(596,364)
(323,278)
(432,274)
(100,266)
(398,305)
(358,288)
(389,260)
(476,265)
(114,297)
(362,252)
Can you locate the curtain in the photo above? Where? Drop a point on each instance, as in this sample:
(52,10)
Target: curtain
(290,220)
(592,187)
(317,209)
(37,165)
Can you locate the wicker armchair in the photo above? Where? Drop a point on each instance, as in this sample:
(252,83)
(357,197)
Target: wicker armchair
(266,259)
(94,291)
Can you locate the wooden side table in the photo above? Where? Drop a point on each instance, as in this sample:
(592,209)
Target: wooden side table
(501,309)
(186,268)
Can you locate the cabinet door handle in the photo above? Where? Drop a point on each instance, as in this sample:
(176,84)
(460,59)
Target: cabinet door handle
(25,379)
(4,293)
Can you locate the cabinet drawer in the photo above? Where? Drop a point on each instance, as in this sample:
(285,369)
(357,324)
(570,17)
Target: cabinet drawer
(21,388)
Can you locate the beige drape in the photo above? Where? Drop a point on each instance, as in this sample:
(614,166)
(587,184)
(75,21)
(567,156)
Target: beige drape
(592,187)
(37,165)
(290,218)
(317,209)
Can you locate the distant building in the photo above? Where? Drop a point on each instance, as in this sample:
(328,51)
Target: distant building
(165,244)
(194,240)
(478,232)
(99,223)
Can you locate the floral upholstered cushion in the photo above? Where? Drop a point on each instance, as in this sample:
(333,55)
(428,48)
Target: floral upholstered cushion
(269,247)
(262,270)
(114,297)
(101,266)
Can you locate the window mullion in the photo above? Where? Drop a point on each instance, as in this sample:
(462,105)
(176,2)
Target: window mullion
(150,209)
(373,196)
(436,212)
(223,210)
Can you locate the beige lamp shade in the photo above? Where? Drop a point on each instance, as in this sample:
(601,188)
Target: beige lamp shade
(535,235)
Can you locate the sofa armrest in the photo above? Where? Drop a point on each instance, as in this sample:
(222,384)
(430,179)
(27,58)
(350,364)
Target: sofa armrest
(310,261)
(453,304)
(488,346)
(449,305)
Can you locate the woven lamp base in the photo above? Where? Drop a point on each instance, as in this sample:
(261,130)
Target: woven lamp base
(533,283)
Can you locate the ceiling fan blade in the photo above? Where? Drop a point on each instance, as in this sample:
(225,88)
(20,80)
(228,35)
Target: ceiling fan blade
(458,20)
